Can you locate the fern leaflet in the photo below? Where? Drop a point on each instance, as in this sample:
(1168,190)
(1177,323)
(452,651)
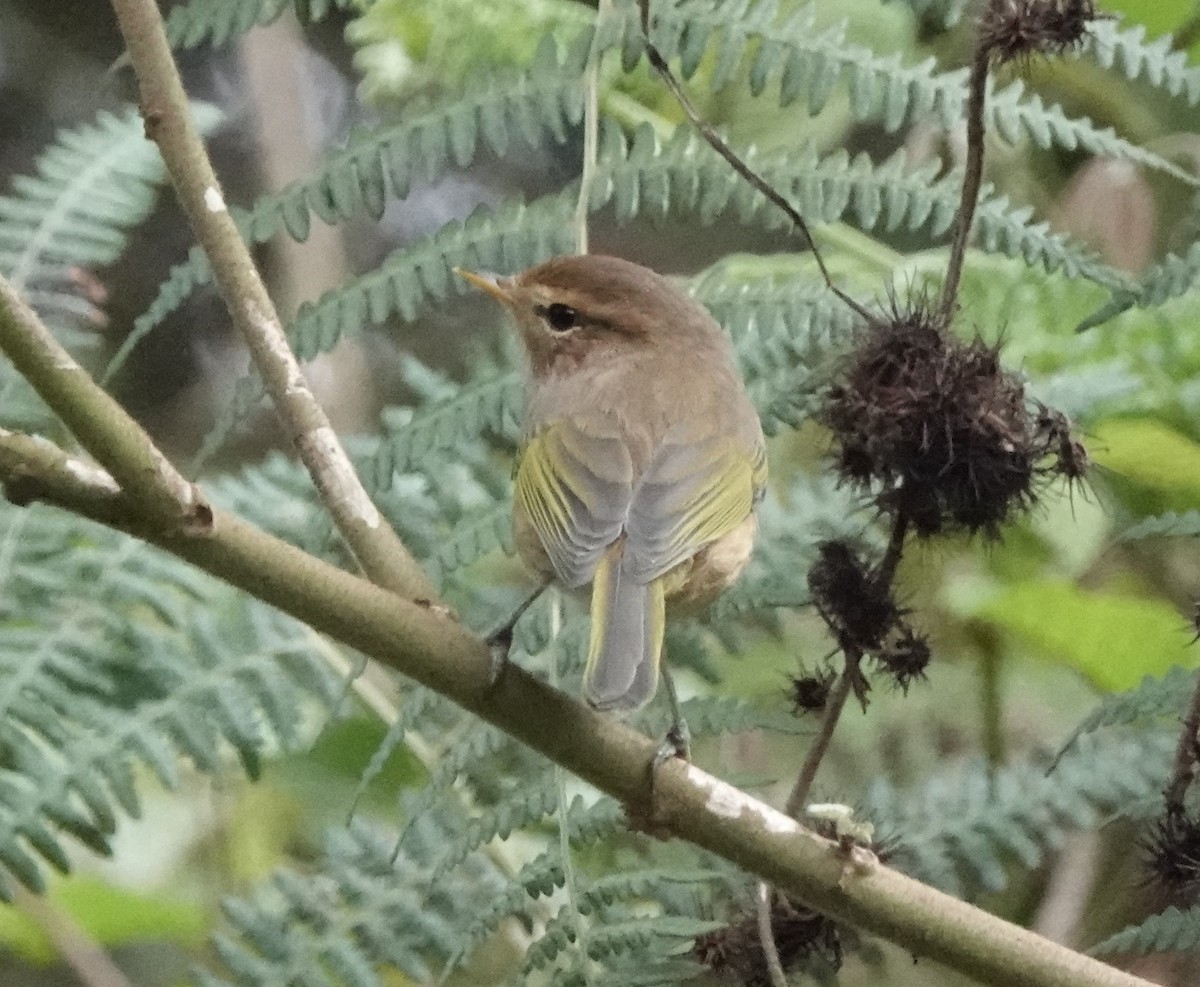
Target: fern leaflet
(1174,930)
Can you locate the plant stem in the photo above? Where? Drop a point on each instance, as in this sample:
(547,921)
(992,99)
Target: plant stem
(834,706)
(164,105)
(99,423)
(816,753)
(991,708)
(972,179)
(895,549)
(766,936)
(693,805)
(564,833)
(748,174)
(1187,753)
(87,959)
(591,129)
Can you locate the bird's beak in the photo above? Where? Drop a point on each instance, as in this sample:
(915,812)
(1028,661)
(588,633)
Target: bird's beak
(493,284)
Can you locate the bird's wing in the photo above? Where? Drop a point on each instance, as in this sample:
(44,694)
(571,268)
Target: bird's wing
(575,483)
(697,489)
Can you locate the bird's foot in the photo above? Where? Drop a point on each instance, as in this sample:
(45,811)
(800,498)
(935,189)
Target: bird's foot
(677,743)
(499,644)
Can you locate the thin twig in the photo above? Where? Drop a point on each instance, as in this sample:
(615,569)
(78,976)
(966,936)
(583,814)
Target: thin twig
(591,129)
(88,960)
(100,424)
(834,705)
(164,104)
(1188,31)
(816,752)
(766,936)
(845,684)
(972,179)
(570,885)
(1187,753)
(895,549)
(718,144)
(689,802)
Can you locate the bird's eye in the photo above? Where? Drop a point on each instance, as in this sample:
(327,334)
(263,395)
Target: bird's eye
(559,317)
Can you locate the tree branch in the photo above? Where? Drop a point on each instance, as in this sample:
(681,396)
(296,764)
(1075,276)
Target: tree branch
(164,104)
(972,178)
(100,424)
(87,959)
(695,806)
(1187,754)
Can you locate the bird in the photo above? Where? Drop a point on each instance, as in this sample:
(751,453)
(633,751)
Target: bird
(642,460)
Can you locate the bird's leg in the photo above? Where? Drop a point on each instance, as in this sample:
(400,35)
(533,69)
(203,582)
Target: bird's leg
(500,641)
(678,741)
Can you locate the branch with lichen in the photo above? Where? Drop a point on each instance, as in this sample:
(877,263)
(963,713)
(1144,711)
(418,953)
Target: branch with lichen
(164,104)
(96,420)
(687,802)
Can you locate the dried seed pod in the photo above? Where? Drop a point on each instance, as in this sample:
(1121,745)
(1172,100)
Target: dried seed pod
(854,601)
(1013,30)
(802,937)
(933,426)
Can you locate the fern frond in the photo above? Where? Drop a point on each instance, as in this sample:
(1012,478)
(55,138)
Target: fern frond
(965,827)
(813,62)
(541,876)
(642,936)
(1157,62)
(493,404)
(1168,525)
(1174,930)
(128,659)
(776,326)
(91,186)
(215,22)
(1174,275)
(1015,117)
(479,741)
(809,60)
(496,110)
(472,538)
(646,178)
(414,708)
(337,927)
(536,800)
(1153,698)
(755,595)
(944,12)
(712,715)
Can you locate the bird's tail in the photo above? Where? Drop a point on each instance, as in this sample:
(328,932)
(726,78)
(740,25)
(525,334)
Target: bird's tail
(628,619)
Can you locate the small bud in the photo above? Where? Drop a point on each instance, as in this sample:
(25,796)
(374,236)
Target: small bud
(905,657)
(1173,854)
(809,693)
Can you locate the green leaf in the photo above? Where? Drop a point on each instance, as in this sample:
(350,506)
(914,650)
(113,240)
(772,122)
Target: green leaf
(1113,639)
(1150,453)
(111,916)
(1168,525)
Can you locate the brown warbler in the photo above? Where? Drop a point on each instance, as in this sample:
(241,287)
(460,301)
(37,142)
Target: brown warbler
(642,459)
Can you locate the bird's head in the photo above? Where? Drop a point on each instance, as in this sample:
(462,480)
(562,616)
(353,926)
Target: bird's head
(575,310)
